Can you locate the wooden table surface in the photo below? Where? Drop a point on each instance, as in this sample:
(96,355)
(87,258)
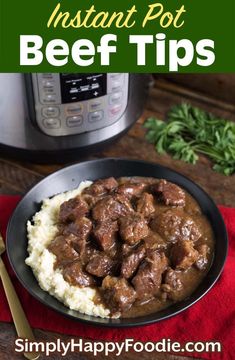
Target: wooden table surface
(17,177)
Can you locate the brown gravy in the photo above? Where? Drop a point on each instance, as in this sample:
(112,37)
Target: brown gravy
(96,248)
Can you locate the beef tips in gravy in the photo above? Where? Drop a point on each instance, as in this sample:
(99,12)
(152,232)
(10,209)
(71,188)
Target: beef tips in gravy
(142,243)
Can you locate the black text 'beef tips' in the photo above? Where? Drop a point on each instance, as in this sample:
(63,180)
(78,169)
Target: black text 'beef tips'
(118,294)
(148,279)
(131,189)
(100,265)
(105,234)
(73,209)
(131,261)
(174,225)
(183,254)
(111,208)
(145,205)
(169,193)
(101,187)
(133,228)
(74,274)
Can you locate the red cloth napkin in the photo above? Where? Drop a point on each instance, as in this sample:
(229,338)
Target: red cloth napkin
(212,318)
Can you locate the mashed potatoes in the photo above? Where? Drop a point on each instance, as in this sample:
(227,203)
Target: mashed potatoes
(41,231)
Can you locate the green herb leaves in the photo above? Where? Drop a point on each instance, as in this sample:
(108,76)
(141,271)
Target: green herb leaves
(189,131)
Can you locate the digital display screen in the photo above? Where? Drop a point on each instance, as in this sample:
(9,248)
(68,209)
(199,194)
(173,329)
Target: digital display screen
(78,87)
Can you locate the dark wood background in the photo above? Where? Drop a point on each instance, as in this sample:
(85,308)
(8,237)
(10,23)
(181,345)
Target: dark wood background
(215,93)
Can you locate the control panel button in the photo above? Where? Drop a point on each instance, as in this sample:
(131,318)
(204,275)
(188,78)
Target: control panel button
(50,112)
(116,85)
(47,85)
(74,109)
(51,123)
(115,76)
(48,89)
(74,121)
(49,98)
(115,110)
(117,82)
(47,76)
(95,105)
(115,98)
(48,82)
(95,116)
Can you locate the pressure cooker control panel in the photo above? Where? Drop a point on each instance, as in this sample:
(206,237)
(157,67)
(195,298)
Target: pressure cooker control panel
(67,104)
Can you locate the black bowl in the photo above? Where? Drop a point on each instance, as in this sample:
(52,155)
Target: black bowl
(69,178)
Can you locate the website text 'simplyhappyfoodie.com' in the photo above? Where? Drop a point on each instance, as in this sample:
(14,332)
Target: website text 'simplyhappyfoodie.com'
(116,348)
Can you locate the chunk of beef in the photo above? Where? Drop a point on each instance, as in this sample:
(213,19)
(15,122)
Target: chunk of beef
(73,209)
(174,225)
(202,260)
(111,208)
(145,205)
(183,254)
(100,265)
(89,252)
(75,275)
(62,248)
(101,187)
(131,189)
(81,230)
(148,279)
(91,200)
(131,261)
(117,293)
(154,241)
(115,250)
(105,234)
(172,283)
(126,249)
(169,193)
(133,228)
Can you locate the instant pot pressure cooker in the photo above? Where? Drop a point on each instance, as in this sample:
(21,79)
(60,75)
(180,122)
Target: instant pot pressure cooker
(58,117)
